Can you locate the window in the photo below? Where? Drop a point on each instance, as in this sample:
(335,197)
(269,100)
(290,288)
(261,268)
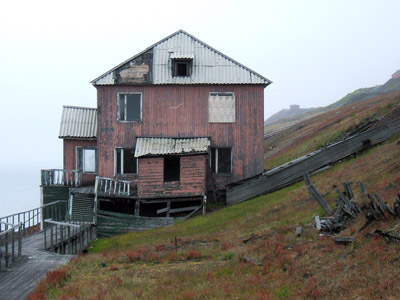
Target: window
(129,107)
(125,161)
(181,67)
(172,168)
(221,107)
(221,160)
(86,160)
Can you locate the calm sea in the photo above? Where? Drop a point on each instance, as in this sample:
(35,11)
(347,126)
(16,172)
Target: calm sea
(19,190)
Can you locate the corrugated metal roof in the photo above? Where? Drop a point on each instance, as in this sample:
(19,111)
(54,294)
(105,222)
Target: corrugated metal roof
(181,55)
(209,65)
(166,146)
(78,122)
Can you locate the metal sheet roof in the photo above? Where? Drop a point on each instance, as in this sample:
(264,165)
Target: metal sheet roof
(181,55)
(78,122)
(166,146)
(209,65)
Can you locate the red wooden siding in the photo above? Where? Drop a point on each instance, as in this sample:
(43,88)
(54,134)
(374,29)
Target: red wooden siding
(192,177)
(70,157)
(182,111)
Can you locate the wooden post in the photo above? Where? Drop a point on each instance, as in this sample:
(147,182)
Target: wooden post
(62,249)
(137,207)
(51,237)
(314,194)
(6,248)
(168,208)
(19,241)
(45,239)
(12,246)
(69,240)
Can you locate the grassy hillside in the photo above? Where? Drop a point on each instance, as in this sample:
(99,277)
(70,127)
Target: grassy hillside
(322,129)
(249,251)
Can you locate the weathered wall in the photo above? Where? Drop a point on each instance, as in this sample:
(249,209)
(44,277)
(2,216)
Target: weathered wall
(70,156)
(182,111)
(192,177)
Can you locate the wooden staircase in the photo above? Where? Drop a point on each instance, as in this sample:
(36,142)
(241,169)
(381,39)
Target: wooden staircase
(82,208)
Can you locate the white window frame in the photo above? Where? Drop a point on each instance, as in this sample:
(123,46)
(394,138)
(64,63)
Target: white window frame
(216,160)
(122,162)
(77,150)
(126,107)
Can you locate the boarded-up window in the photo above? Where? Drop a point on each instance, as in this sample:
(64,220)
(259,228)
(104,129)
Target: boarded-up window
(221,108)
(130,107)
(221,160)
(125,161)
(86,160)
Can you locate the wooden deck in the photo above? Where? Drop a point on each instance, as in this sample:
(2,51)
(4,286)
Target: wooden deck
(19,280)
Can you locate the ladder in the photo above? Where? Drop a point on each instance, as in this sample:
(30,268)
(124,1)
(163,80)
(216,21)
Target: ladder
(210,175)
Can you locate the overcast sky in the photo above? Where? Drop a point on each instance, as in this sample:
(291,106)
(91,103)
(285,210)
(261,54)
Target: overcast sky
(315,52)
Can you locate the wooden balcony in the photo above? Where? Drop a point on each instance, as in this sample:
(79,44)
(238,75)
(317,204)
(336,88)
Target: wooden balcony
(60,177)
(115,187)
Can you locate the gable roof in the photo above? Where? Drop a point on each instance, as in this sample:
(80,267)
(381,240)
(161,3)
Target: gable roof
(78,122)
(209,65)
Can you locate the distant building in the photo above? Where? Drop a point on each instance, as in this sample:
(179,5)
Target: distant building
(396,74)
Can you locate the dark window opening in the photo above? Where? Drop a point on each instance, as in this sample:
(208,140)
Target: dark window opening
(181,68)
(130,107)
(172,168)
(125,161)
(221,160)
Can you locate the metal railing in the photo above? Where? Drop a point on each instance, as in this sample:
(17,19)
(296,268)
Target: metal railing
(30,220)
(10,244)
(111,186)
(67,238)
(61,177)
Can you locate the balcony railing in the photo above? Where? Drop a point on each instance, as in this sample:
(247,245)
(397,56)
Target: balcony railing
(61,177)
(115,187)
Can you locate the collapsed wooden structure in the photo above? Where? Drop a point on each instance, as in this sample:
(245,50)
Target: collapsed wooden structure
(348,209)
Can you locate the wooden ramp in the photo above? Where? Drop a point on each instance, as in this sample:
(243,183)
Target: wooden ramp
(293,171)
(19,281)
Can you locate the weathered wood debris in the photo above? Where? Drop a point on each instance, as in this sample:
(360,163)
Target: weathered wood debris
(374,209)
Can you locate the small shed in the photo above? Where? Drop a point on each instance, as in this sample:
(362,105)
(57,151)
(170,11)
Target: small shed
(171,167)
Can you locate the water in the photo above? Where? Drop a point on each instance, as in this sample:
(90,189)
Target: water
(19,190)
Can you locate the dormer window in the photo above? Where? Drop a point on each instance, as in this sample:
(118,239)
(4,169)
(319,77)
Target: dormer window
(181,64)
(181,68)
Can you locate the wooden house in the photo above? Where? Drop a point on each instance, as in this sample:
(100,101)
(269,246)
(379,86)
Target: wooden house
(171,122)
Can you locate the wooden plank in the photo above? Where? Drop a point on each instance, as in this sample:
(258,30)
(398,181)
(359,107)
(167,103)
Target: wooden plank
(317,222)
(163,210)
(175,210)
(344,240)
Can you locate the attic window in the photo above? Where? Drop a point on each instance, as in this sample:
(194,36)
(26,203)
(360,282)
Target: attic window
(181,67)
